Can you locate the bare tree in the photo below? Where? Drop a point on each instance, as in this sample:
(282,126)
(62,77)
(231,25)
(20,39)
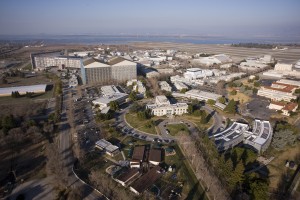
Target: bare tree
(55,166)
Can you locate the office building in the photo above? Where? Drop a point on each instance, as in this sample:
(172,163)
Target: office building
(106,146)
(278,91)
(162,106)
(165,86)
(41,61)
(197,73)
(258,139)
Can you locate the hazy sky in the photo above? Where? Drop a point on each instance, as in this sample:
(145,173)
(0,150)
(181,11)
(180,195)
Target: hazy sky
(209,17)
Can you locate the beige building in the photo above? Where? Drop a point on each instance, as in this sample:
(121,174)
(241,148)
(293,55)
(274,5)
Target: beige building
(116,69)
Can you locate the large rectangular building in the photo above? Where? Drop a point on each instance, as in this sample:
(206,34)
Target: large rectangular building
(41,61)
(116,69)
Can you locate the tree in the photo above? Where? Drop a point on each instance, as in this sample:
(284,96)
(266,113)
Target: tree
(282,138)
(211,102)
(114,105)
(222,100)
(258,190)
(15,94)
(133,96)
(220,88)
(204,117)
(256,84)
(183,90)
(7,123)
(148,94)
(190,109)
(254,90)
(233,92)
(135,107)
(231,107)
(297,91)
(29,94)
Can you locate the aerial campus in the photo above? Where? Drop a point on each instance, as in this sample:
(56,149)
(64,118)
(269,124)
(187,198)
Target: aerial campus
(150,116)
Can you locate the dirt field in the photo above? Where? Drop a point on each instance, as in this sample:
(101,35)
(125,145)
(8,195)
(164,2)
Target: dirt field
(242,98)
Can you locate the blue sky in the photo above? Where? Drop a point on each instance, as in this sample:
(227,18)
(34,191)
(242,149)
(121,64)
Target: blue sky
(209,17)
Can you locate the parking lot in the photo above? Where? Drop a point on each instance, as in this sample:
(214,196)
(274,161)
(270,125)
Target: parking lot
(258,108)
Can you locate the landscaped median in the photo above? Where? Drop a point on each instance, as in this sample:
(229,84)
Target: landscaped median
(145,125)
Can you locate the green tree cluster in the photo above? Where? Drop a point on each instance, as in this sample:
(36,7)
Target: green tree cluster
(8,122)
(114,105)
(233,92)
(143,115)
(231,107)
(222,100)
(104,117)
(211,102)
(133,96)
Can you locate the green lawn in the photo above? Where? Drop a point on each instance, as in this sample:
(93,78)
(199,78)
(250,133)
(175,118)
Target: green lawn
(141,125)
(196,120)
(175,129)
(191,187)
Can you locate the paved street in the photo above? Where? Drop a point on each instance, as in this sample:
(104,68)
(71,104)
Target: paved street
(164,137)
(67,154)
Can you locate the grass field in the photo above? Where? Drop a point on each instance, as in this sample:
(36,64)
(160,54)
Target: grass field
(196,121)
(277,166)
(191,187)
(177,128)
(141,125)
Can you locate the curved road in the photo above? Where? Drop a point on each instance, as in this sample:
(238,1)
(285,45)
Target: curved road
(164,137)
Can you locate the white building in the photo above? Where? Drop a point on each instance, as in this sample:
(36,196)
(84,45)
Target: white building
(104,101)
(211,60)
(109,90)
(197,73)
(165,86)
(199,95)
(278,92)
(252,65)
(179,86)
(109,149)
(162,106)
(283,67)
(258,139)
(137,86)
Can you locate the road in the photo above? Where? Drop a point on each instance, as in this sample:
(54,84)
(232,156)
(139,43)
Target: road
(121,122)
(166,138)
(65,146)
(218,121)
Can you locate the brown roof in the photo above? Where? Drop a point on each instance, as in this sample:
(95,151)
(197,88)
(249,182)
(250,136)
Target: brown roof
(155,155)
(147,179)
(290,106)
(127,175)
(138,153)
(287,89)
